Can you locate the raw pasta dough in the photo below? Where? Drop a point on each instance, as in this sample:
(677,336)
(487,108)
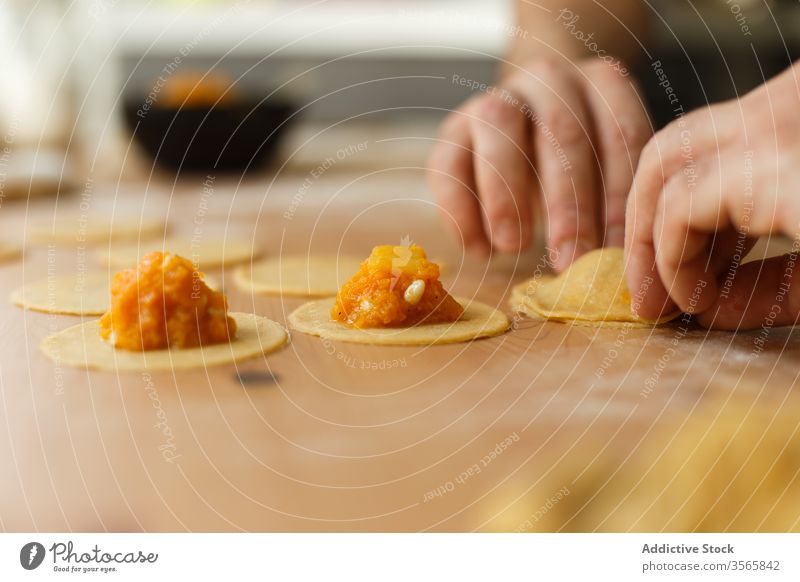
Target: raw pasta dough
(478,321)
(68,295)
(81,346)
(87,294)
(208,253)
(592,291)
(297,275)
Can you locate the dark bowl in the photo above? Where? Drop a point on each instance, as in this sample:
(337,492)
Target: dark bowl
(224,138)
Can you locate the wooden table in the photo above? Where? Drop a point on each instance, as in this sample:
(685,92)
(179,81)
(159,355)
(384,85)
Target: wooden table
(329,436)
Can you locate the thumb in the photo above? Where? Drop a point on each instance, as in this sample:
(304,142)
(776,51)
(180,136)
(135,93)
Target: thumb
(762,293)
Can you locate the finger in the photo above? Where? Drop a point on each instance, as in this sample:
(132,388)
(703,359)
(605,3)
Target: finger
(503,172)
(729,247)
(763,294)
(681,144)
(693,210)
(621,128)
(671,153)
(450,177)
(565,160)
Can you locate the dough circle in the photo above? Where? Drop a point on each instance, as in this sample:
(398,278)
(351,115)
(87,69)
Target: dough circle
(479,320)
(296,275)
(208,253)
(81,346)
(592,292)
(66,295)
(72,294)
(93,229)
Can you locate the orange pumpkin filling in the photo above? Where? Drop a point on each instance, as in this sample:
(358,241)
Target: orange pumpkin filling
(396,286)
(164,303)
(194,89)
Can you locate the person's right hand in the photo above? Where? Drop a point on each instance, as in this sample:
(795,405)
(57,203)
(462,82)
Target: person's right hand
(708,186)
(571,132)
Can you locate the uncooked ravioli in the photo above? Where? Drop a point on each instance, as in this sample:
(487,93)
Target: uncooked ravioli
(592,291)
(297,275)
(206,252)
(81,346)
(478,321)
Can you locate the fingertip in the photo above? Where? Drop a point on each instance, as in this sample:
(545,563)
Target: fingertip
(569,251)
(478,248)
(654,304)
(700,295)
(649,297)
(510,236)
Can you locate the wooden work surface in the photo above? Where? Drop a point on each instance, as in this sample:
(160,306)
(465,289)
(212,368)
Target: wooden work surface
(332,436)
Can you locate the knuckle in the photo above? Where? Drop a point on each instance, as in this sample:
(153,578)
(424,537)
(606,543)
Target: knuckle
(566,128)
(604,71)
(544,66)
(651,152)
(496,111)
(563,221)
(629,136)
(452,126)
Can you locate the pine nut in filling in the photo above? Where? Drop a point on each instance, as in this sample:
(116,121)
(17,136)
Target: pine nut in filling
(414,292)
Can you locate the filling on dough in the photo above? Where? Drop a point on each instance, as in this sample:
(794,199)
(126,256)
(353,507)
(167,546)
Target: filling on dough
(164,303)
(396,286)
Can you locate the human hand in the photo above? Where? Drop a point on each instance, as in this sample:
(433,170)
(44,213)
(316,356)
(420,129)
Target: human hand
(708,185)
(571,132)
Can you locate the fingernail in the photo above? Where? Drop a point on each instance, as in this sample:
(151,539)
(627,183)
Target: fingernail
(564,255)
(507,236)
(569,251)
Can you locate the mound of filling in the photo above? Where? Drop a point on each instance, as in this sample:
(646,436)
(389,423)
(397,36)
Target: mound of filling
(397,286)
(164,303)
(194,89)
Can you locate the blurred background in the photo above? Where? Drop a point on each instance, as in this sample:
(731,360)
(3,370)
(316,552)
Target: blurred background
(238,85)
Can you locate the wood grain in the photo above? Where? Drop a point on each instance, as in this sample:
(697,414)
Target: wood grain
(336,437)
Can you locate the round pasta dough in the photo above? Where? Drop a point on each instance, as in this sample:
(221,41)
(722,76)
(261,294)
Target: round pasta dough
(66,295)
(71,294)
(592,291)
(81,346)
(95,229)
(205,253)
(478,321)
(296,275)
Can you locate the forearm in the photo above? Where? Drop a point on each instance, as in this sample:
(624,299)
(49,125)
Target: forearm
(574,29)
